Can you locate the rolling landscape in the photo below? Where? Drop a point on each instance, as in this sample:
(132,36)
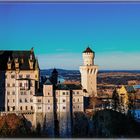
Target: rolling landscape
(104,77)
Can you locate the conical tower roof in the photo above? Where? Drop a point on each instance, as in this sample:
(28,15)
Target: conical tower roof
(88,50)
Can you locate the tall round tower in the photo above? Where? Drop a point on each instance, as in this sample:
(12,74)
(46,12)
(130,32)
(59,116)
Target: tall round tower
(88,56)
(89,72)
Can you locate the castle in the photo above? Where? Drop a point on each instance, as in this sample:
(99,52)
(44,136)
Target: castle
(50,104)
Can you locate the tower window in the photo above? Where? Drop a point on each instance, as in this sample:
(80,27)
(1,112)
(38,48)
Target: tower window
(63,93)
(64,107)
(48,101)
(26,107)
(21,108)
(31,107)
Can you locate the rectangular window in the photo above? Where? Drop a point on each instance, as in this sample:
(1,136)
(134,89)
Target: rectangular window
(20,84)
(13,100)
(8,85)
(63,93)
(39,100)
(77,92)
(78,100)
(63,100)
(26,108)
(21,108)
(13,108)
(12,76)
(48,101)
(27,76)
(39,107)
(13,85)
(26,100)
(20,76)
(8,93)
(20,100)
(31,107)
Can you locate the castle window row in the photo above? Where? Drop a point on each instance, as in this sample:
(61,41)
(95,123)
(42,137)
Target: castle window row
(39,100)
(12,85)
(25,93)
(25,100)
(65,93)
(13,100)
(74,92)
(10,93)
(26,108)
(74,100)
(20,76)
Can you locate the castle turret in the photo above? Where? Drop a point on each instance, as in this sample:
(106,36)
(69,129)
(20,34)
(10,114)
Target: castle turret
(89,72)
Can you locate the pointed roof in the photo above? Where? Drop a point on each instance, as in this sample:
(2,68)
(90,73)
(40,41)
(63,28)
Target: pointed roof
(88,50)
(36,64)
(48,82)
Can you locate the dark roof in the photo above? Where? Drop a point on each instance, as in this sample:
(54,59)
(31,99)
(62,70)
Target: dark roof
(68,87)
(23,58)
(48,82)
(88,50)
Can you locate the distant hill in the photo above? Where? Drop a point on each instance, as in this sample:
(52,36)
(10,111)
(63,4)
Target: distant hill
(63,71)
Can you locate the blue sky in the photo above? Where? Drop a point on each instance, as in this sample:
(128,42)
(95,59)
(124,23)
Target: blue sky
(60,32)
